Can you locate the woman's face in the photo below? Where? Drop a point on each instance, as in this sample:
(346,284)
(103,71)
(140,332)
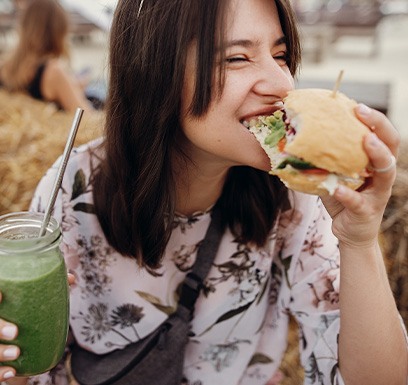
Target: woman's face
(256,80)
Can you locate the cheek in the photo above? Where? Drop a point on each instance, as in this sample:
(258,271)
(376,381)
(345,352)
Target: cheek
(230,143)
(186,99)
(204,132)
(210,129)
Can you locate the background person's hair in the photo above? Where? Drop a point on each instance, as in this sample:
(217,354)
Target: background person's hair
(134,187)
(43,28)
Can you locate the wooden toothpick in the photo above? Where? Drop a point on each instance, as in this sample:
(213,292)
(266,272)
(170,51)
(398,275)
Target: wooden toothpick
(337,85)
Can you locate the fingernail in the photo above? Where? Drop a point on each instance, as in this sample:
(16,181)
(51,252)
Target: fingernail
(9,332)
(340,190)
(373,140)
(8,375)
(11,353)
(364,110)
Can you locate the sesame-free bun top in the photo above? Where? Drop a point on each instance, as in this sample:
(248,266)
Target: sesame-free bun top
(329,135)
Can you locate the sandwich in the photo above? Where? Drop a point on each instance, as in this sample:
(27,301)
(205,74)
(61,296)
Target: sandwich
(315,142)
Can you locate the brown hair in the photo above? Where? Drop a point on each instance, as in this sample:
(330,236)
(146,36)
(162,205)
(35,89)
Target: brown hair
(134,188)
(43,27)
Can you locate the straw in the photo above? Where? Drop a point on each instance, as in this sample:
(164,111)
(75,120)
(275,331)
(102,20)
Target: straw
(60,174)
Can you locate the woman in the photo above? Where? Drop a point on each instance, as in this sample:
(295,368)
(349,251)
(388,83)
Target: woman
(36,65)
(134,206)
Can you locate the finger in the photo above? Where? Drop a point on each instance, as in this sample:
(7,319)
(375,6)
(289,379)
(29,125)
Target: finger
(9,352)
(381,125)
(71,279)
(8,331)
(382,162)
(350,199)
(6,373)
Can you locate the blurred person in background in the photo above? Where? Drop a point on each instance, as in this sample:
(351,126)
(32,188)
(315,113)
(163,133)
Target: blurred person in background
(37,64)
(21,5)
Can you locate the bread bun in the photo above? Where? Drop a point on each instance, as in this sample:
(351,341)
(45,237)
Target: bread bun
(322,144)
(316,184)
(329,135)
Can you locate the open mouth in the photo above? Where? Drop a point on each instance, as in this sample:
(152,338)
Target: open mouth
(251,120)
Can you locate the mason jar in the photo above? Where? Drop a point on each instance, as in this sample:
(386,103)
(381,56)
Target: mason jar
(34,287)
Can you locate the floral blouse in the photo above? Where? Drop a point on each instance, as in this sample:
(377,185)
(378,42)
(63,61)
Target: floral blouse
(241,319)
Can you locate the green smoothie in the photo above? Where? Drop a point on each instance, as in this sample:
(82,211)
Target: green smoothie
(33,282)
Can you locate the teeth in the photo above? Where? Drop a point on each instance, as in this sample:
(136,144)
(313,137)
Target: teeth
(253,121)
(279,105)
(250,123)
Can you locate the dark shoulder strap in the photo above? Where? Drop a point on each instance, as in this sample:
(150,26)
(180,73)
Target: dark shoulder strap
(205,256)
(209,245)
(34,88)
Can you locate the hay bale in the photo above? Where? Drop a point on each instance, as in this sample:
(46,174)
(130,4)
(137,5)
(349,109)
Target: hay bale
(394,234)
(33,135)
(291,368)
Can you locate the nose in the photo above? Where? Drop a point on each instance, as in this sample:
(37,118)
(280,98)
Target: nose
(274,79)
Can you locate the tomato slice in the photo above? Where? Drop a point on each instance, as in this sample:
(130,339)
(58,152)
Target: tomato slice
(281,144)
(315,171)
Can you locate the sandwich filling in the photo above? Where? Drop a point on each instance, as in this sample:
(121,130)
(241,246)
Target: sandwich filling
(274,132)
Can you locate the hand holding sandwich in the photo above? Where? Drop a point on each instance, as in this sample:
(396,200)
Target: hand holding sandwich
(322,142)
(357,214)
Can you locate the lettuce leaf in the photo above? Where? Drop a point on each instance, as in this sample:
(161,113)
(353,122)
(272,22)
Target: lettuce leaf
(277,128)
(295,162)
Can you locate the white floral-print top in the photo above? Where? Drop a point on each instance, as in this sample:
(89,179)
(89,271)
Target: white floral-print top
(241,318)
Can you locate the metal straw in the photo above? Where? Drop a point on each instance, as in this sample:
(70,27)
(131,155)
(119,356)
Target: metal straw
(60,174)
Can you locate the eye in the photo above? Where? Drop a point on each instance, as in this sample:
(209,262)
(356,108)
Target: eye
(235,59)
(281,57)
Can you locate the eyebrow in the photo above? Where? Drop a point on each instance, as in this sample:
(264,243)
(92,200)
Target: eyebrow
(250,43)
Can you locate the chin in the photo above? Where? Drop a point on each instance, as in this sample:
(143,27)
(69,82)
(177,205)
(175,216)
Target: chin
(258,162)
